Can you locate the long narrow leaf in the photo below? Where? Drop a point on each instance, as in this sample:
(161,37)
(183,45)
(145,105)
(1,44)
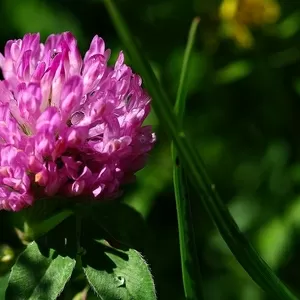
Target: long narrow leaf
(188,250)
(182,87)
(237,242)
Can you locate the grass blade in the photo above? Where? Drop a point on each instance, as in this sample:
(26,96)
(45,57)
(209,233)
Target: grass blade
(237,242)
(188,250)
(182,87)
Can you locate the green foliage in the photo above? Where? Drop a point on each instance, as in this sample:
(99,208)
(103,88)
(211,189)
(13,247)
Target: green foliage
(39,275)
(48,18)
(3,285)
(233,72)
(116,274)
(112,268)
(189,261)
(236,241)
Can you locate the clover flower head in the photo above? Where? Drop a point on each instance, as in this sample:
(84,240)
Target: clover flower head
(69,125)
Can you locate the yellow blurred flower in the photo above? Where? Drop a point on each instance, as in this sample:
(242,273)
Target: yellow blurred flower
(239,16)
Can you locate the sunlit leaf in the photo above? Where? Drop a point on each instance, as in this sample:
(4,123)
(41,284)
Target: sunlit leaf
(117,274)
(39,272)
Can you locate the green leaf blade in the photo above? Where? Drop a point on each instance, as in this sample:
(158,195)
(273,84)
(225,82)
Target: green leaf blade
(188,251)
(191,274)
(183,86)
(121,275)
(36,276)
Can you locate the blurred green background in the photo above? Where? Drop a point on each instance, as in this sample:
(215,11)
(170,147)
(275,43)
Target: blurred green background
(243,113)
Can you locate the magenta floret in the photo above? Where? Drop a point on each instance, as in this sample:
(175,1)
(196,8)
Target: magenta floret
(68,126)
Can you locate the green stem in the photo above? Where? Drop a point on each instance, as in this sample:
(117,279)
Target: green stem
(237,242)
(79,249)
(188,251)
